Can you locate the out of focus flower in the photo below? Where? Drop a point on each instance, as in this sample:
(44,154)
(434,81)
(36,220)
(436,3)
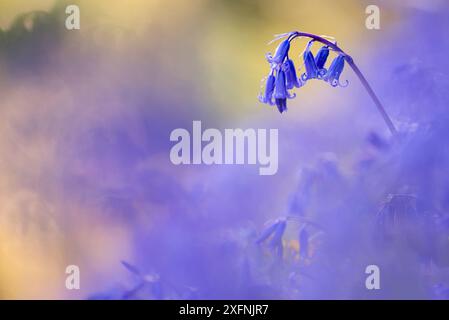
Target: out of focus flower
(275,232)
(276,241)
(267,232)
(397,210)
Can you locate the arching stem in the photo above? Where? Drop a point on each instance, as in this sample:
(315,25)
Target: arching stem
(356,70)
(373,96)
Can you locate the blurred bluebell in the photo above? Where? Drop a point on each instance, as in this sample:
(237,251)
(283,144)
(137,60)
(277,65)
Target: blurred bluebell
(267,232)
(333,74)
(274,232)
(276,241)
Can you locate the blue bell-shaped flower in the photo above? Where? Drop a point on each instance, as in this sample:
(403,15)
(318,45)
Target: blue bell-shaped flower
(290,74)
(333,74)
(267,97)
(280,54)
(312,70)
(276,241)
(321,57)
(281,93)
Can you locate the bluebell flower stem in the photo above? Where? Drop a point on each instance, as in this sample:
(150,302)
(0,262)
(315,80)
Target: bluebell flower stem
(373,96)
(356,70)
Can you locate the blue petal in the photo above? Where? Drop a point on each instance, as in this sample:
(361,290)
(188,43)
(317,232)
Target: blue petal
(280,92)
(281,52)
(321,57)
(290,74)
(312,71)
(281,104)
(276,241)
(269,88)
(333,74)
(280,89)
(267,233)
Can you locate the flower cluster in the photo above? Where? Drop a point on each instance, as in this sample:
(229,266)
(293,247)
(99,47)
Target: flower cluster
(283,77)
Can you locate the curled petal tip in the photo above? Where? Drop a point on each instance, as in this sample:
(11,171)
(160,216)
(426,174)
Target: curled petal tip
(344,85)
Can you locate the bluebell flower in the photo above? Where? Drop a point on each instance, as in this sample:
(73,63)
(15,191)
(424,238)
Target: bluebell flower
(321,57)
(333,74)
(283,76)
(280,92)
(280,54)
(276,241)
(312,70)
(290,74)
(267,97)
(276,232)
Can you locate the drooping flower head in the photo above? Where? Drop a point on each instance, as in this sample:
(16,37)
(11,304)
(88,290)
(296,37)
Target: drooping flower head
(283,76)
(333,74)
